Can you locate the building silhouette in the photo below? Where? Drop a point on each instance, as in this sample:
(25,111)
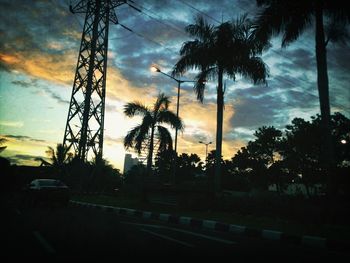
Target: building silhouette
(129,162)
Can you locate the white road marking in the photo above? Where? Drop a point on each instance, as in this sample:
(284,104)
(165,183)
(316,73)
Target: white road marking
(203,236)
(168,238)
(230,242)
(44,243)
(137,224)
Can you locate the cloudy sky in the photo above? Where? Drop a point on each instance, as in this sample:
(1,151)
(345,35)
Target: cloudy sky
(39,43)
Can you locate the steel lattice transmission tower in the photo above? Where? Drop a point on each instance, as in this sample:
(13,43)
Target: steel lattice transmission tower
(85,121)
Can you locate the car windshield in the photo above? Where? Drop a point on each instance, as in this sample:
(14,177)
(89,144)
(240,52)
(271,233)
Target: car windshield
(50,182)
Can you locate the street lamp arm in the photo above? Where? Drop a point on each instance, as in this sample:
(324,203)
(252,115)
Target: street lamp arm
(156,69)
(169,76)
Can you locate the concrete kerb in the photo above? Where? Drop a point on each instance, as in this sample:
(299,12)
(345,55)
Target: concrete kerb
(305,240)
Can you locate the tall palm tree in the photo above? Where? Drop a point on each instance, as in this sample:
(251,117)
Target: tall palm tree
(151,126)
(292,18)
(229,48)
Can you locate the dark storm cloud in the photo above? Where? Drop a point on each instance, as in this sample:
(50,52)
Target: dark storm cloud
(37,25)
(293,59)
(337,57)
(243,134)
(258,106)
(25,84)
(55,96)
(19,159)
(39,87)
(22,138)
(255,112)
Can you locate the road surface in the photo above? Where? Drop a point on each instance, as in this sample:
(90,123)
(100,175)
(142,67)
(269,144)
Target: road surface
(73,233)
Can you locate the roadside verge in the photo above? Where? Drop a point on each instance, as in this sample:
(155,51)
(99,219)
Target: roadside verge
(303,240)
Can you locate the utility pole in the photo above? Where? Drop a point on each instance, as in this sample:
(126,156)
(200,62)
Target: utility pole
(206,149)
(179,82)
(85,121)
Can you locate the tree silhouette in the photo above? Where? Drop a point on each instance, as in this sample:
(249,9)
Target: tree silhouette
(229,48)
(103,177)
(60,156)
(164,162)
(151,126)
(291,18)
(190,165)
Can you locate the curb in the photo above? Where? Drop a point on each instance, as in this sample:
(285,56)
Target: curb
(305,240)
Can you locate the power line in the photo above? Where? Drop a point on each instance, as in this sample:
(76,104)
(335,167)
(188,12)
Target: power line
(144,37)
(199,11)
(174,27)
(281,78)
(272,50)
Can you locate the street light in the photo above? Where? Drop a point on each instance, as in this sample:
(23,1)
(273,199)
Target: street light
(156,69)
(206,148)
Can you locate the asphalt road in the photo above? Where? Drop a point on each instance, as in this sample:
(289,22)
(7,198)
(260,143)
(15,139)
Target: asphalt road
(82,234)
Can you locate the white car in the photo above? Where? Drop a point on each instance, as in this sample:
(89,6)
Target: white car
(48,191)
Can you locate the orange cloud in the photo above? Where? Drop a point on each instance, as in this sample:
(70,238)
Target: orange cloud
(53,67)
(119,88)
(9,59)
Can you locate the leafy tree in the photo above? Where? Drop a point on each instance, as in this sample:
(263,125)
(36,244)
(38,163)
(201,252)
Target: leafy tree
(249,164)
(152,118)
(227,49)
(265,146)
(255,159)
(190,165)
(302,149)
(103,177)
(292,18)
(164,162)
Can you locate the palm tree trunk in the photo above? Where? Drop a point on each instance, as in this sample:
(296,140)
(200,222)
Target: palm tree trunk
(323,89)
(219,124)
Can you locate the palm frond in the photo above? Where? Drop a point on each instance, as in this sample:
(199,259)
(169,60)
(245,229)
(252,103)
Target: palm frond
(201,29)
(290,17)
(61,154)
(295,26)
(135,108)
(194,55)
(337,32)
(50,152)
(166,142)
(170,118)
(161,103)
(142,136)
(202,77)
(253,68)
(130,137)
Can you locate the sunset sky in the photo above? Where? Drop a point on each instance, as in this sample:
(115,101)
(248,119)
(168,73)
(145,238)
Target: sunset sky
(39,43)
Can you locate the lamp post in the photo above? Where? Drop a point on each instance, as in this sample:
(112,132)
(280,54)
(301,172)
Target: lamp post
(156,69)
(206,148)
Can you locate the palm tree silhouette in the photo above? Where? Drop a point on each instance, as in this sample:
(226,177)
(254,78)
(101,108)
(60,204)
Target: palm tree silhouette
(291,18)
(58,157)
(229,48)
(151,126)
